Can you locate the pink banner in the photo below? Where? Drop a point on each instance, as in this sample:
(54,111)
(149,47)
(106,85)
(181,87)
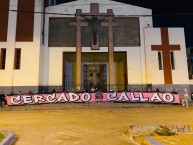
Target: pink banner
(93,97)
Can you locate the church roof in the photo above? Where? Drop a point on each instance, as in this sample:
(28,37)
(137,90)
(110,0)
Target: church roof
(118,7)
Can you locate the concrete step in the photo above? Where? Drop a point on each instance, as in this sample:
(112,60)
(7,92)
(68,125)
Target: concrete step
(59,106)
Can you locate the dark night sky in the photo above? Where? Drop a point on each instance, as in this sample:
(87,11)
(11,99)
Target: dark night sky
(167,13)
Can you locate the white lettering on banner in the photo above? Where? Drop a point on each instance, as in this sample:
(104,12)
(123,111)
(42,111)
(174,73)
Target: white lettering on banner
(156,97)
(123,96)
(133,97)
(62,97)
(53,98)
(73,97)
(165,97)
(142,99)
(17,98)
(27,99)
(38,98)
(86,97)
(91,97)
(114,96)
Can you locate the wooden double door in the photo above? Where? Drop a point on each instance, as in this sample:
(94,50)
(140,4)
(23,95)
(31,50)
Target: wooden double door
(94,75)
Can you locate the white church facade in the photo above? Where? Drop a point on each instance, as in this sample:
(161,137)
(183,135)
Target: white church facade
(86,43)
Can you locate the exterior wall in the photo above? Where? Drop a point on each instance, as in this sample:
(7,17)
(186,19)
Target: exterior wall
(191,83)
(7,74)
(56,65)
(4,7)
(28,74)
(154,75)
(180,76)
(135,55)
(176,37)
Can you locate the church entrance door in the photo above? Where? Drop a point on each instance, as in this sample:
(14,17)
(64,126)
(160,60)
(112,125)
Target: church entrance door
(94,75)
(94,71)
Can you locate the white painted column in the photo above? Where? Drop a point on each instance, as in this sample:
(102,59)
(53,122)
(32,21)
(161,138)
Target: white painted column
(12,22)
(45,55)
(38,29)
(144,23)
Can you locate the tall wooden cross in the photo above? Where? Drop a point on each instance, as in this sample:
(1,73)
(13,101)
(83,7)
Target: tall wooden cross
(93,18)
(166,48)
(110,24)
(78,24)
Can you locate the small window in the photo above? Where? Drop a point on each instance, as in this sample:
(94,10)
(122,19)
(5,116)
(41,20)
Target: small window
(3,58)
(172,60)
(17,60)
(160,60)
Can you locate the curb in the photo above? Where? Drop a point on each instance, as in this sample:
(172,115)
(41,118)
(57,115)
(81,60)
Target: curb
(153,142)
(9,138)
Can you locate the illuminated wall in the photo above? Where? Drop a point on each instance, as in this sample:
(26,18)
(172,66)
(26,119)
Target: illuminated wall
(28,74)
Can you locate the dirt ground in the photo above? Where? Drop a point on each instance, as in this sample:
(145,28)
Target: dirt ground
(96,126)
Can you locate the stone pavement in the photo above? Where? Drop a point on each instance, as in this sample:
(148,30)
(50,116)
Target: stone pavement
(144,130)
(179,128)
(153,142)
(147,130)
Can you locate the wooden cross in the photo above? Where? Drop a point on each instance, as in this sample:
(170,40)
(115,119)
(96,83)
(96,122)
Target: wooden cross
(94,9)
(94,12)
(110,24)
(95,18)
(78,24)
(166,48)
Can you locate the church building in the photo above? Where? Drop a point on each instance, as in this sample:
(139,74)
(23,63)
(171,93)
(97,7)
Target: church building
(86,43)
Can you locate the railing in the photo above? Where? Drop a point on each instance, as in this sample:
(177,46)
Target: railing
(131,87)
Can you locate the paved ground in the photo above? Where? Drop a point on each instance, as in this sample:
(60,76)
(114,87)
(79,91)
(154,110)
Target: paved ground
(85,124)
